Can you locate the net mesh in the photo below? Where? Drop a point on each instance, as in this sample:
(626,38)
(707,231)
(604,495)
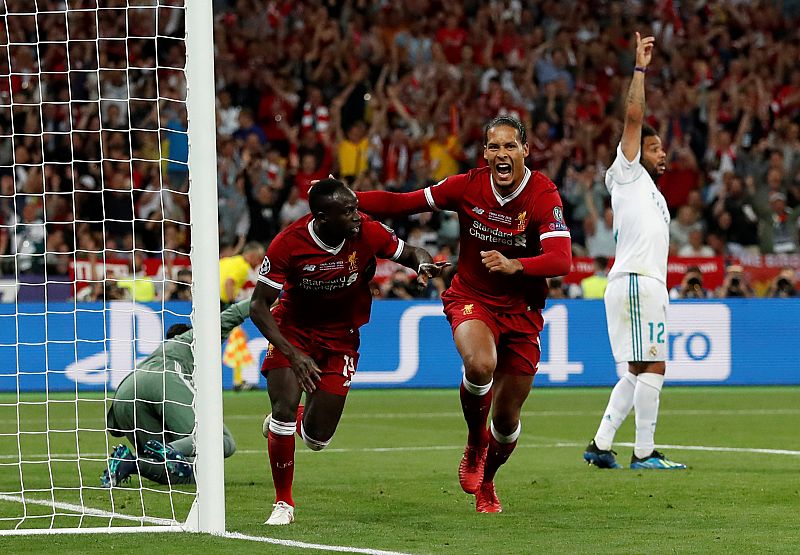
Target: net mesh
(94,246)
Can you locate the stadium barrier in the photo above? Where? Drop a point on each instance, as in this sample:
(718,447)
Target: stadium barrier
(409,344)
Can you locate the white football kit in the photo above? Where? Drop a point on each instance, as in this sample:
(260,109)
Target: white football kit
(636,298)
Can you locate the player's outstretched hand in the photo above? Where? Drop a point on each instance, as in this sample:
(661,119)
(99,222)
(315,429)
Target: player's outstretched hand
(496,262)
(429,270)
(644,50)
(306,370)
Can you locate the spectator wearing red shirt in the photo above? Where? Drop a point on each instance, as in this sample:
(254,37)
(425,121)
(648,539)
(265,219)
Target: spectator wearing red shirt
(310,170)
(275,110)
(316,115)
(540,146)
(590,105)
(397,159)
(452,38)
(682,177)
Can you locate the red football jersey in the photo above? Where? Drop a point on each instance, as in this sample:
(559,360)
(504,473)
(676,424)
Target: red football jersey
(327,286)
(512,225)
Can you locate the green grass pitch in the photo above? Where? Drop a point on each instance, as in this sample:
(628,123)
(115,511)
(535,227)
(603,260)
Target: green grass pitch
(388,480)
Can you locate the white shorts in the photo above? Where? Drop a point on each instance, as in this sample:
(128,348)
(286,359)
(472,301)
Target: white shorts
(636,312)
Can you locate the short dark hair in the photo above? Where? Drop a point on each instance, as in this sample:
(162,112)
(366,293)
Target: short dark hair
(647,131)
(322,192)
(508,121)
(177,329)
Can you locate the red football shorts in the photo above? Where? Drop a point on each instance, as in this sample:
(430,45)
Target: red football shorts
(336,355)
(515,335)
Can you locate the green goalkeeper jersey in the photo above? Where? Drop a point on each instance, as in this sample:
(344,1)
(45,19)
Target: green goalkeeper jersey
(155,401)
(176,355)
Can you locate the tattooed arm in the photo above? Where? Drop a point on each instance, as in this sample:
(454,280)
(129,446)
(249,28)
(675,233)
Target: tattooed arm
(634,104)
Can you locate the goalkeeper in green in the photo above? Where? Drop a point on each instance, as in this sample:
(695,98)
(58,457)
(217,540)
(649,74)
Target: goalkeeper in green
(152,408)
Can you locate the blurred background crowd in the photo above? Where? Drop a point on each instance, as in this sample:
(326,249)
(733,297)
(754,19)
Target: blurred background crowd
(390,95)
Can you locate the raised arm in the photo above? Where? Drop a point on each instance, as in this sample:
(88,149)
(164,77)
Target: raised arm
(634,104)
(414,128)
(336,111)
(229,318)
(233,316)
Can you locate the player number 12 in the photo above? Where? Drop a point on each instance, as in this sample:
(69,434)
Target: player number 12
(656,326)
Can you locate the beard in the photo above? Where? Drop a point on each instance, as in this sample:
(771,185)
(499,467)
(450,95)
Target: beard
(652,171)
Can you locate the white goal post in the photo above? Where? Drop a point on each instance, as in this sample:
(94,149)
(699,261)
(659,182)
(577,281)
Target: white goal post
(205,261)
(85,122)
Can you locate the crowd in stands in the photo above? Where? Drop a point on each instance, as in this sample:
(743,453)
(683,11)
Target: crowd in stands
(394,95)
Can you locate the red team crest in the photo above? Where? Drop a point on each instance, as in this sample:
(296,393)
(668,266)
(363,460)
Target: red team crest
(522,220)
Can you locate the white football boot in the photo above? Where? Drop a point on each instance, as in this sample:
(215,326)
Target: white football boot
(282,514)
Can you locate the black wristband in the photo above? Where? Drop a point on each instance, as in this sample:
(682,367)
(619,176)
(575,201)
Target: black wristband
(639,68)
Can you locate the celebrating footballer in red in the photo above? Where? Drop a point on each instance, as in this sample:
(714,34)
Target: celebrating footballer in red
(512,236)
(323,264)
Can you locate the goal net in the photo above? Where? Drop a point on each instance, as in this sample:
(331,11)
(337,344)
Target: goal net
(97,202)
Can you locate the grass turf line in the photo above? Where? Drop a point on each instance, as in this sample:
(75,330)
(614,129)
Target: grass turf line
(411,501)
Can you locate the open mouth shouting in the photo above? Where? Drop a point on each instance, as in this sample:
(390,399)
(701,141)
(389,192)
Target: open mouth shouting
(505,171)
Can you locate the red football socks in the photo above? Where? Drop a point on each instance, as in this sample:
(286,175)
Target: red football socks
(476,413)
(281,459)
(496,456)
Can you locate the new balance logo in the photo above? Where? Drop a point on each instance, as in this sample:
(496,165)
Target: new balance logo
(309,268)
(478,211)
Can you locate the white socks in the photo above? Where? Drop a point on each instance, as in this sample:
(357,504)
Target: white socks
(282,428)
(500,438)
(619,405)
(643,394)
(479,390)
(289,429)
(313,444)
(645,399)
